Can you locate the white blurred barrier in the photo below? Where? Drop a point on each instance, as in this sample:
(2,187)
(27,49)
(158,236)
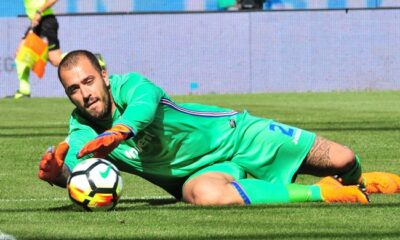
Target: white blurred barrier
(235,52)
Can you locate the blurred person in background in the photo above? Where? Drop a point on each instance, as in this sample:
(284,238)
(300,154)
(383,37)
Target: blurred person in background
(240,4)
(251,4)
(44,24)
(228,5)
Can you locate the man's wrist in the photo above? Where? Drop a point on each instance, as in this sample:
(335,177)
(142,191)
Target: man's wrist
(39,12)
(123,129)
(62,178)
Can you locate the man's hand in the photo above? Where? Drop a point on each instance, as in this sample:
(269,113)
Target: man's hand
(105,143)
(36,20)
(50,167)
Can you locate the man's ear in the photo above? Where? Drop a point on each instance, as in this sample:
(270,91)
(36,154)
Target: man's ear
(104,74)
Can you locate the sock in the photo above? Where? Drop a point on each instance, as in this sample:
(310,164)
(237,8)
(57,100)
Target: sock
(255,191)
(23,76)
(352,176)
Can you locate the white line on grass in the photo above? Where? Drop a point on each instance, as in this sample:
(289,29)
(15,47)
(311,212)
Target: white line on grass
(65,199)
(4,236)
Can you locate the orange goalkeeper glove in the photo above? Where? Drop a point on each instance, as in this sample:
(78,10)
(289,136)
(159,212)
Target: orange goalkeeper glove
(51,164)
(105,143)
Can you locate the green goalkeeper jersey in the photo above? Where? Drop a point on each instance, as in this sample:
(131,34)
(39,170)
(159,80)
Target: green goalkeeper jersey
(171,141)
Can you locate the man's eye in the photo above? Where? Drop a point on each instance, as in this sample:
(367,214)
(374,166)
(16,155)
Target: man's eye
(73,90)
(88,81)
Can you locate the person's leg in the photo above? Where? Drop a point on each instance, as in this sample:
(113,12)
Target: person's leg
(224,184)
(276,152)
(327,158)
(49,30)
(215,188)
(23,72)
(211,185)
(55,57)
(211,188)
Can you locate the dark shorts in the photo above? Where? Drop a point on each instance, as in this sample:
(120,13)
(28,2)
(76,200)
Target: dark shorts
(47,28)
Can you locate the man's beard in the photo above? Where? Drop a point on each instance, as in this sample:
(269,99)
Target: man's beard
(106,114)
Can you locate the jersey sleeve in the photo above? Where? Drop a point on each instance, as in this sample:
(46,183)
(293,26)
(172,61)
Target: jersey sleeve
(141,98)
(78,136)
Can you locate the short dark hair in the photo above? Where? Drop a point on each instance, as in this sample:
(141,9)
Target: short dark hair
(72,59)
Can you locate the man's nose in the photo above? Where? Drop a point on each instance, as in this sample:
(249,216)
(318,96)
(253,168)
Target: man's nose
(85,92)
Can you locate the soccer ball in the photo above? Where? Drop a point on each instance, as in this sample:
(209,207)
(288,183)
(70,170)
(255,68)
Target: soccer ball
(95,185)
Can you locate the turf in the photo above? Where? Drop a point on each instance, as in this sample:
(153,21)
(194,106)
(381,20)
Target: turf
(368,122)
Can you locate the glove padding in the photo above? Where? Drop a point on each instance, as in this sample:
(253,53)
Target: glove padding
(105,143)
(52,162)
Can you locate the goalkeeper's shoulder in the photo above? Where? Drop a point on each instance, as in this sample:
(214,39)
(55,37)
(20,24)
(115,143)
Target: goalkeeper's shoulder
(130,76)
(131,82)
(128,80)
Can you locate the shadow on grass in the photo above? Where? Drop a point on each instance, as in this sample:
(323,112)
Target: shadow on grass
(12,127)
(170,203)
(32,135)
(186,207)
(40,131)
(150,201)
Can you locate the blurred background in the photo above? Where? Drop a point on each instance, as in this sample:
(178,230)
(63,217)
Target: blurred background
(222,46)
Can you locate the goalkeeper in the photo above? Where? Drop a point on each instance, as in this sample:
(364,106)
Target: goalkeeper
(200,154)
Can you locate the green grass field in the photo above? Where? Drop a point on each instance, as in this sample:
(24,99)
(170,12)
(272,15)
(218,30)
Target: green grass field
(368,122)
